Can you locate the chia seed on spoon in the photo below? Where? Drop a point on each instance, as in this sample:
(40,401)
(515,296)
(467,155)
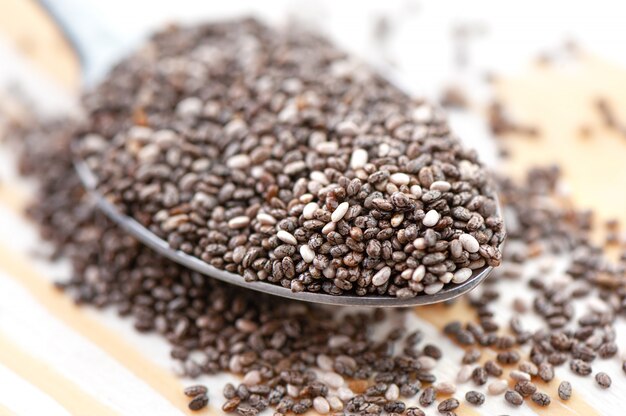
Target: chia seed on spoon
(273,155)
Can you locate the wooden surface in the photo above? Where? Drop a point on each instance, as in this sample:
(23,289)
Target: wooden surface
(561,99)
(56,358)
(36,36)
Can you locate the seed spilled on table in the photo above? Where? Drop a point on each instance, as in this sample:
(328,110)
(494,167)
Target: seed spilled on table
(475,398)
(603,380)
(294,357)
(565,390)
(514,398)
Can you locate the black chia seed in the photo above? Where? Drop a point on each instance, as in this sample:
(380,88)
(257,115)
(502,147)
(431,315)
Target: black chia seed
(565,390)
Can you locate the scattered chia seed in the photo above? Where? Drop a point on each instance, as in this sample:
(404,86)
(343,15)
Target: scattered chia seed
(432,351)
(525,388)
(198,402)
(565,390)
(447,405)
(529,368)
(580,367)
(414,411)
(508,357)
(475,398)
(513,397)
(546,371)
(471,356)
(541,399)
(603,380)
(193,391)
(479,375)
(427,397)
(492,368)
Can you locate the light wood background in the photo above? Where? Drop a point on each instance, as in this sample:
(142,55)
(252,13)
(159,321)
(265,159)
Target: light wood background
(59,359)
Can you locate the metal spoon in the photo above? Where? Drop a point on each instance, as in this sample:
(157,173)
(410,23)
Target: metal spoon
(83,35)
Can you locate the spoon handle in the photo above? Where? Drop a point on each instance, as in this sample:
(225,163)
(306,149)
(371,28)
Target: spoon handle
(96,42)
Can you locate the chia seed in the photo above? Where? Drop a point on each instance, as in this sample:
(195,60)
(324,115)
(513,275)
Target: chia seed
(541,399)
(513,397)
(447,405)
(603,380)
(565,390)
(475,398)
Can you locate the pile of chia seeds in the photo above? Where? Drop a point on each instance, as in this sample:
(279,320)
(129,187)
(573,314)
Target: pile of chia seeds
(275,156)
(294,357)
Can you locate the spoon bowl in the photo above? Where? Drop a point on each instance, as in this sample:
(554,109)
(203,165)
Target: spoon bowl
(159,245)
(99,46)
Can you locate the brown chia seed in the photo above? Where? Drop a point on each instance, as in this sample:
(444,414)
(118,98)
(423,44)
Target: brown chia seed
(193,391)
(546,371)
(414,411)
(513,397)
(427,397)
(492,368)
(475,398)
(541,399)
(447,405)
(525,388)
(565,390)
(479,376)
(471,356)
(508,357)
(603,380)
(580,367)
(199,401)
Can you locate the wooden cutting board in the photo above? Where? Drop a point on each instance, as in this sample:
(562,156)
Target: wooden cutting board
(562,101)
(557,102)
(36,36)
